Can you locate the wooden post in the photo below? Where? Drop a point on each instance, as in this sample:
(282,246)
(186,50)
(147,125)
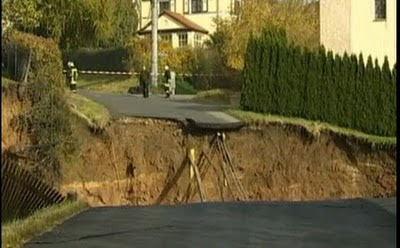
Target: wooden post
(192,161)
(226,180)
(197,174)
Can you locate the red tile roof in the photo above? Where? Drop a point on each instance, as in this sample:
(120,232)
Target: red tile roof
(189,25)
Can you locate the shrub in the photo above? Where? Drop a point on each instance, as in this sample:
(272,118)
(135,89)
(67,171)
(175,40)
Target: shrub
(40,55)
(209,71)
(178,59)
(205,66)
(109,59)
(282,78)
(46,122)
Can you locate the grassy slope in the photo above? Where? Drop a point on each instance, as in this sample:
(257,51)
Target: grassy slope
(313,126)
(96,115)
(121,84)
(5,81)
(15,233)
(222,96)
(107,83)
(219,96)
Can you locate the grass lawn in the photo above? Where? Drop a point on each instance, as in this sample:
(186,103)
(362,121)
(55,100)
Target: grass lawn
(218,96)
(5,81)
(121,84)
(94,113)
(16,233)
(107,83)
(313,126)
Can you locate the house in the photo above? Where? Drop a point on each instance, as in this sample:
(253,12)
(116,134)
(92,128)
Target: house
(185,22)
(359,26)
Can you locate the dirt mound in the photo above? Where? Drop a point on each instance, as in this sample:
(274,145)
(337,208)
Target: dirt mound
(274,162)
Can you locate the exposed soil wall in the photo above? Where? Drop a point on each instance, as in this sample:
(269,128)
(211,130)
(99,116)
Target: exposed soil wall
(11,107)
(274,161)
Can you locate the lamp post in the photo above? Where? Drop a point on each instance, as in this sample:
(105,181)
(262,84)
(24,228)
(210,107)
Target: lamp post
(154,38)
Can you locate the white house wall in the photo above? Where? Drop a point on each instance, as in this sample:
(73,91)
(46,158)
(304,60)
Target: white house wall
(350,25)
(166,23)
(205,20)
(221,8)
(377,38)
(145,13)
(175,40)
(335,25)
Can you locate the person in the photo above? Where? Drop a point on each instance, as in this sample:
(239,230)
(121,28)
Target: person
(144,80)
(72,76)
(173,82)
(167,80)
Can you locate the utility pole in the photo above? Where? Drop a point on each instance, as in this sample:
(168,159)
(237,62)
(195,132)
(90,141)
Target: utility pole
(154,38)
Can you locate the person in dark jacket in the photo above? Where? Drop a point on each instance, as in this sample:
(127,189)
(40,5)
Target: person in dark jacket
(167,81)
(144,80)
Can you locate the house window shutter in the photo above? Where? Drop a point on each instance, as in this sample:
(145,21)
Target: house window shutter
(185,6)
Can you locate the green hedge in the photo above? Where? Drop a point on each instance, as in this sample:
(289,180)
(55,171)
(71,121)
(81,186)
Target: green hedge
(110,59)
(21,51)
(284,79)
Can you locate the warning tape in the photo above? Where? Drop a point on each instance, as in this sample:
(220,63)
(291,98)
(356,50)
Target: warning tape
(106,72)
(137,73)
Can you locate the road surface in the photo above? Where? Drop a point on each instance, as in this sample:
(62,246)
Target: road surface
(178,107)
(345,223)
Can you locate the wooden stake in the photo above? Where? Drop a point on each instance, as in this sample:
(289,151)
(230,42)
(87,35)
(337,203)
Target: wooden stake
(192,161)
(197,174)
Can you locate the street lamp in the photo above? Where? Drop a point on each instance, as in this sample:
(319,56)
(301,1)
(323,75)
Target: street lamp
(154,38)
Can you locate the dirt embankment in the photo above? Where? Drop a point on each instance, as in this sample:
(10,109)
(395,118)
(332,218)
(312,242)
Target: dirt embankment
(274,162)
(11,108)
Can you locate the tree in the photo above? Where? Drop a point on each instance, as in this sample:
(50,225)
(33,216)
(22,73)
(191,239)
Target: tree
(299,20)
(125,22)
(24,15)
(330,87)
(75,24)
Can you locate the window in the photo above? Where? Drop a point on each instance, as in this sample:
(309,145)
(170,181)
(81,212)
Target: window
(197,6)
(183,39)
(167,37)
(197,40)
(380,9)
(165,5)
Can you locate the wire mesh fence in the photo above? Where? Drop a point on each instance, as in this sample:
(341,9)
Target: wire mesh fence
(16,62)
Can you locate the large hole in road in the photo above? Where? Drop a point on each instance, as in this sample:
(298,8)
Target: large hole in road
(144,162)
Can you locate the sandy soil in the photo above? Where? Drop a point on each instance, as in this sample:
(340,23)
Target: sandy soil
(274,162)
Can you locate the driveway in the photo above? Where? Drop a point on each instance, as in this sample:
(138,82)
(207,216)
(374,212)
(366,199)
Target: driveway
(344,223)
(179,107)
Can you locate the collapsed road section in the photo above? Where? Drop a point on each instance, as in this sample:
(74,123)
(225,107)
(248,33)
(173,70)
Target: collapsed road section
(271,161)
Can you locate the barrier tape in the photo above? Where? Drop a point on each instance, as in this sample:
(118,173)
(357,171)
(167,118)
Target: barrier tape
(137,73)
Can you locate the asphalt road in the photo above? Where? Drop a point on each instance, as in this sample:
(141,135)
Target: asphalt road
(345,223)
(179,107)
